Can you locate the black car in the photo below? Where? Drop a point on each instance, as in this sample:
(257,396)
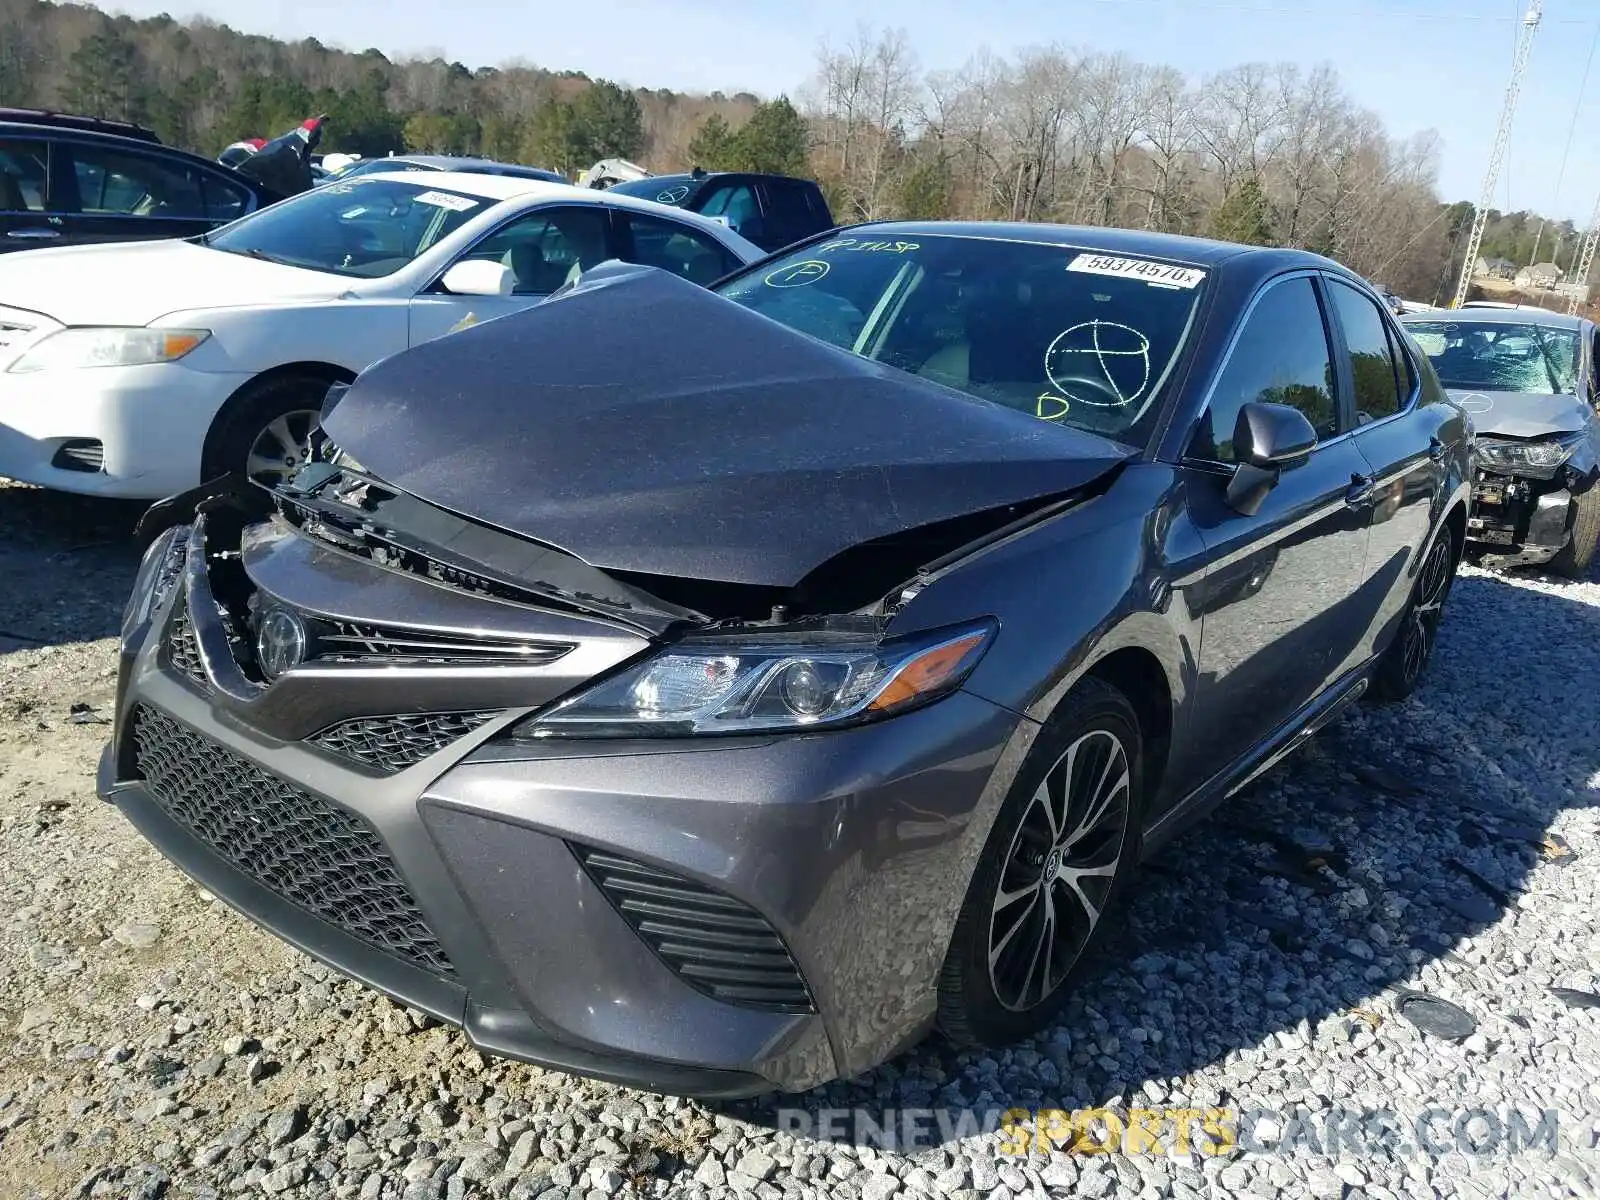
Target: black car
(773,211)
(63,182)
(717,689)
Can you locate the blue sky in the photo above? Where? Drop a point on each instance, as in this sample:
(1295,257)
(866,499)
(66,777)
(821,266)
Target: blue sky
(1420,64)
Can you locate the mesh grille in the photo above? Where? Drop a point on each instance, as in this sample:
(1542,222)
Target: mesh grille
(183,648)
(321,858)
(716,944)
(390,744)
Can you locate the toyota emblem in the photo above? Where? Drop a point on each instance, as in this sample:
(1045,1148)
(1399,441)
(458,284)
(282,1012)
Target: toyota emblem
(280,642)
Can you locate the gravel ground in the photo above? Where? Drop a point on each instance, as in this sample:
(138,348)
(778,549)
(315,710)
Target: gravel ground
(152,1043)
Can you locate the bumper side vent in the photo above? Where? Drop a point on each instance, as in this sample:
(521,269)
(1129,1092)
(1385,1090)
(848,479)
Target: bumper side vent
(80,454)
(183,648)
(321,858)
(717,945)
(391,744)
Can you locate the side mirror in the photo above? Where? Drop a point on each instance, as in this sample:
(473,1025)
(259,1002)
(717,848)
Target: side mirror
(479,277)
(1267,440)
(751,228)
(1272,435)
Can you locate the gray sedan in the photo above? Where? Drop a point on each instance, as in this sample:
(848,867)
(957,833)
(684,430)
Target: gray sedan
(717,690)
(1527,377)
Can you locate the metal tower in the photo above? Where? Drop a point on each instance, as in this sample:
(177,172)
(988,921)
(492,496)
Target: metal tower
(1502,139)
(1580,273)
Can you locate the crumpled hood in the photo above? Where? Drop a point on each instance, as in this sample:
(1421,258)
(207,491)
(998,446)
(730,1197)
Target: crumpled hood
(1521,414)
(645,424)
(134,283)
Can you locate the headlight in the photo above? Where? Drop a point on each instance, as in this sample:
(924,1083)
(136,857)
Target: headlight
(716,686)
(1539,458)
(158,575)
(69,349)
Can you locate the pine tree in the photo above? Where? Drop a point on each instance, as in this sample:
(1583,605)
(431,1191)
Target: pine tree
(774,140)
(1243,216)
(714,145)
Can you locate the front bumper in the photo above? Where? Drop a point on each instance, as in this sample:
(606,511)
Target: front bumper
(1516,521)
(126,432)
(853,847)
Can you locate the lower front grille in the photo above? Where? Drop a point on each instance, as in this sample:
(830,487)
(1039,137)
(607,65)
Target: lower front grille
(390,744)
(717,945)
(321,858)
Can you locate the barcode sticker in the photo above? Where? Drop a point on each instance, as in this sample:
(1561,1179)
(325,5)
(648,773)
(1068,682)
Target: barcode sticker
(1159,274)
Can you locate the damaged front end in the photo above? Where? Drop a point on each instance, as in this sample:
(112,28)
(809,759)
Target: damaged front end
(1523,494)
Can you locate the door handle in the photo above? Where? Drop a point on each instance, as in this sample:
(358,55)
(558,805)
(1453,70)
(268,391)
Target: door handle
(38,234)
(1361,491)
(1437,450)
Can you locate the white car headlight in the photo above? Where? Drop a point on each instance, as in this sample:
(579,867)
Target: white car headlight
(1534,457)
(69,349)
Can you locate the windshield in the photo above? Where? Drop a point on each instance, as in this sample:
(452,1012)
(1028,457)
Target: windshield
(1066,334)
(674,190)
(372,166)
(1500,357)
(362,227)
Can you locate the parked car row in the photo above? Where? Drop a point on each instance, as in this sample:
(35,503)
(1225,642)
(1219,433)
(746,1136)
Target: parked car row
(532,549)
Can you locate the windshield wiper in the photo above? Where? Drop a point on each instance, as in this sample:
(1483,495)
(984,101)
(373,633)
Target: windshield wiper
(255,252)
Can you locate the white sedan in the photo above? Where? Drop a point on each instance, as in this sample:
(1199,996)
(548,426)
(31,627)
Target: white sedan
(141,370)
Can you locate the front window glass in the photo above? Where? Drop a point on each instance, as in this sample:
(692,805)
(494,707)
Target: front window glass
(1500,356)
(361,227)
(1280,357)
(112,182)
(1066,334)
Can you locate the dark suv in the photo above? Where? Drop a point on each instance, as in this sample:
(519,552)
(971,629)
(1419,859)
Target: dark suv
(64,180)
(773,211)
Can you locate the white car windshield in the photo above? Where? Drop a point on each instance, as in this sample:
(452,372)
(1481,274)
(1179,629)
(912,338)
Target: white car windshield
(1071,335)
(362,227)
(1497,356)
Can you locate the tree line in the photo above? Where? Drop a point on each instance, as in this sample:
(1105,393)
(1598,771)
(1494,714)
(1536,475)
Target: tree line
(1258,153)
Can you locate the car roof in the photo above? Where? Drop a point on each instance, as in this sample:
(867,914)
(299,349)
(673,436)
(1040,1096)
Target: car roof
(484,186)
(517,187)
(48,119)
(1204,252)
(448,162)
(1499,316)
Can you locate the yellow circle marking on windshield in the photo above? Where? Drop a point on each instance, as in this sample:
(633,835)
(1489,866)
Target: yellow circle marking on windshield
(798,275)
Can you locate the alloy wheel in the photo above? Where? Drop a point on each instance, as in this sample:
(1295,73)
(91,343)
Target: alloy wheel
(284,446)
(1422,622)
(1058,874)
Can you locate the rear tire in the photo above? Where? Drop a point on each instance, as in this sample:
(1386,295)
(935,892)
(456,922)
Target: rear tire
(1401,668)
(1061,850)
(268,431)
(1577,555)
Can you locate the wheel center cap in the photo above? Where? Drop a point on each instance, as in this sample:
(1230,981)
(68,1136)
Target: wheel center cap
(1052,865)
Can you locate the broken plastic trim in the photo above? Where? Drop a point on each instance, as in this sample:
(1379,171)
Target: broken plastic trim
(360,515)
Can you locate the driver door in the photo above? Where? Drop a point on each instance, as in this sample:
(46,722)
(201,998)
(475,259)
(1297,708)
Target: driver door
(1280,602)
(544,249)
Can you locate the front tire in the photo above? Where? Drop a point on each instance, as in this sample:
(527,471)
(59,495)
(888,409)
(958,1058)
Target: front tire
(269,431)
(1062,847)
(1401,668)
(1576,556)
